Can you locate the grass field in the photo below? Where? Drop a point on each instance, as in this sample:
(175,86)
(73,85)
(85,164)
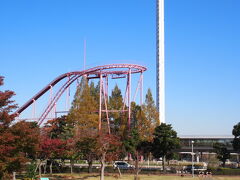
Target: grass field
(142,177)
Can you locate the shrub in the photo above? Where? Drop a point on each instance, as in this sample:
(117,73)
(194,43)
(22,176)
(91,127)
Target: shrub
(31,173)
(224,171)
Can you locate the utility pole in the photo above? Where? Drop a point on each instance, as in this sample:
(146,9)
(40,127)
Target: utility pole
(192,160)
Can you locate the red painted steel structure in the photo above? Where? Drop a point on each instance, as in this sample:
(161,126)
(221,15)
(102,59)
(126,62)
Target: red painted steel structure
(101,72)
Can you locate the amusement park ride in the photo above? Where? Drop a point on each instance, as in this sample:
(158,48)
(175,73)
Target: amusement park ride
(103,73)
(114,71)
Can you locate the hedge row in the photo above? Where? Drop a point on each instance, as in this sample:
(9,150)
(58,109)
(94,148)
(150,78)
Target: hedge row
(225,171)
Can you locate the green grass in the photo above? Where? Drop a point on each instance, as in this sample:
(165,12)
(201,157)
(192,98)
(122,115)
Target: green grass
(142,177)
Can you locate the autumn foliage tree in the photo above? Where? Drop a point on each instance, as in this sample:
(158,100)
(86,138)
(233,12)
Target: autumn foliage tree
(51,149)
(85,120)
(57,142)
(150,109)
(91,143)
(107,149)
(83,111)
(18,140)
(144,120)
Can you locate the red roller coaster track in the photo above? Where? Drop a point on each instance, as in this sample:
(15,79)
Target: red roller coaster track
(115,70)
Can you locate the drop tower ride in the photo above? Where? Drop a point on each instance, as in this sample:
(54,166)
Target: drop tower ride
(160,86)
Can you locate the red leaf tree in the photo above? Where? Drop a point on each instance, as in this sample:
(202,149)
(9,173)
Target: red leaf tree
(107,149)
(18,141)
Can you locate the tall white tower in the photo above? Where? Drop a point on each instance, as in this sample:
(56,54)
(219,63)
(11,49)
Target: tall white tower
(160,61)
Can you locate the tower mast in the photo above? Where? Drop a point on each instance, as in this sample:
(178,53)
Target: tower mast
(160,61)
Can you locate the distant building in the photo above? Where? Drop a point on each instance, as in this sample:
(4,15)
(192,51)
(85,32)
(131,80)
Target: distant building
(202,146)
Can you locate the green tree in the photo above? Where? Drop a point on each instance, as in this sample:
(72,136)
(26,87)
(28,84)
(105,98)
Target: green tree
(59,128)
(94,91)
(165,141)
(236,140)
(86,147)
(132,141)
(131,144)
(145,148)
(222,152)
(116,103)
(116,99)
(134,112)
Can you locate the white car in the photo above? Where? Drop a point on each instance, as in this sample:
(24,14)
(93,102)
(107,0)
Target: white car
(122,165)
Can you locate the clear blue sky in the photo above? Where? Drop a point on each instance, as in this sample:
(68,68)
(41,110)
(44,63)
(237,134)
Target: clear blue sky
(40,40)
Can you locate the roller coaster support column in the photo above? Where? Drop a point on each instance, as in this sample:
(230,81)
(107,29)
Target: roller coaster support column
(51,114)
(139,86)
(67,94)
(106,108)
(34,110)
(55,110)
(129,99)
(100,105)
(141,89)
(106,86)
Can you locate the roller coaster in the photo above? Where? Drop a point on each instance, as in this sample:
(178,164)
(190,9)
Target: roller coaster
(114,71)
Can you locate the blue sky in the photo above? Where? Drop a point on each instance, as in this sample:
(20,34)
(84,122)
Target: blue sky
(40,40)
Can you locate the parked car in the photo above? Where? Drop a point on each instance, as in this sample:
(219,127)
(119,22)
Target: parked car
(122,165)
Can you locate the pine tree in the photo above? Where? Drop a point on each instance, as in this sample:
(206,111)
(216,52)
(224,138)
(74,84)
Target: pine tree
(165,141)
(84,111)
(84,115)
(94,90)
(59,128)
(150,109)
(116,99)
(236,140)
(145,128)
(116,103)
(134,111)
(141,123)
(222,152)
(132,145)
(144,131)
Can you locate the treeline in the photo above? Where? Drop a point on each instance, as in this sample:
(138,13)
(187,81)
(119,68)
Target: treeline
(76,136)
